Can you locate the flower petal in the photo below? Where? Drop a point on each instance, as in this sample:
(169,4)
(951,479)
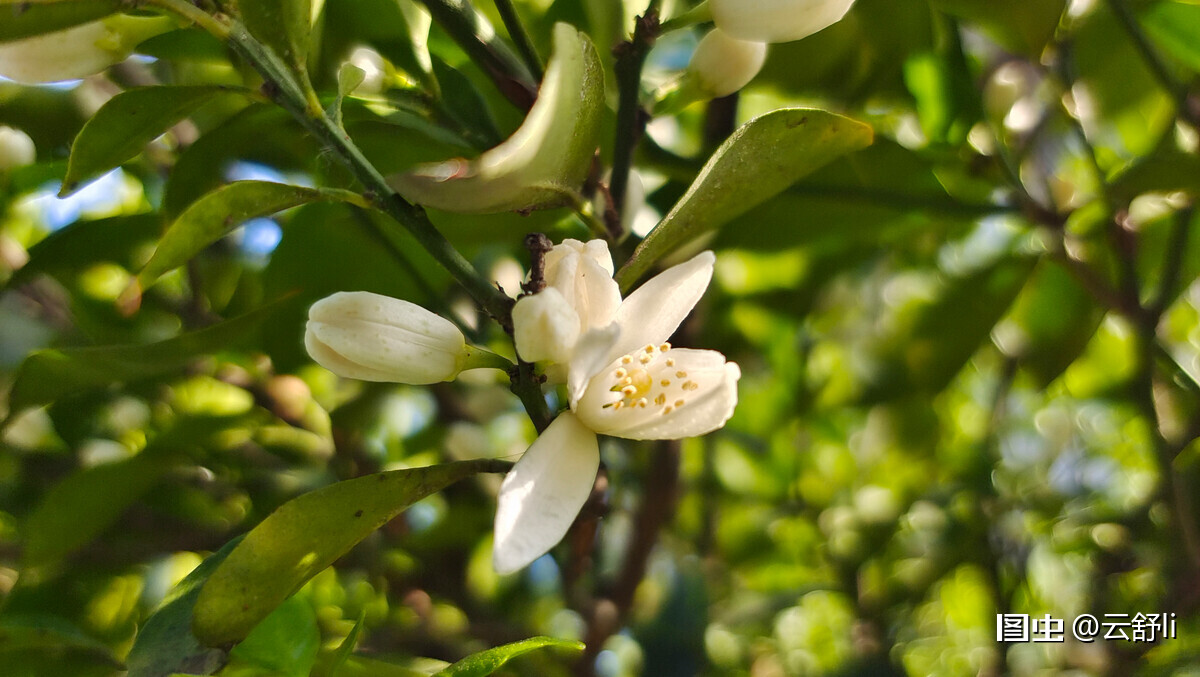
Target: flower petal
(583,274)
(677,393)
(652,313)
(543,493)
(590,356)
(545,327)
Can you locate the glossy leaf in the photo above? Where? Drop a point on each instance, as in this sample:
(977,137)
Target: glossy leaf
(544,163)
(165,644)
(213,216)
(126,123)
(22,19)
(486,662)
(1176,26)
(303,537)
(48,375)
(1024,26)
(760,160)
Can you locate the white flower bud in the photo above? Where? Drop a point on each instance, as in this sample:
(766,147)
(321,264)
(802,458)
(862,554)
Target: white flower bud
(721,65)
(78,51)
(16,149)
(545,327)
(583,273)
(776,20)
(377,338)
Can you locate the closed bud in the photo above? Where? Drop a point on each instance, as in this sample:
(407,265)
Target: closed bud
(721,64)
(545,327)
(16,149)
(776,20)
(377,338)
(78,51)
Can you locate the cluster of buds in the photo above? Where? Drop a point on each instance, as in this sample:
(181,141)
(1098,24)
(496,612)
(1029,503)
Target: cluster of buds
(729,57)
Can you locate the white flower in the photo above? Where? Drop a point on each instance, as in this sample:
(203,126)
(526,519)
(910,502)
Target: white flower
(776,20)
(723,64)
(623,380)
(580,296)
(78,51)
(378,338)
(16,149)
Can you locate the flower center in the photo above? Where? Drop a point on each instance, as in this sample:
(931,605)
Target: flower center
(649,379)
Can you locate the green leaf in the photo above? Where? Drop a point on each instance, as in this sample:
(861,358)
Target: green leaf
(545,162)
(21,19)
(935,339)
(1023,26)
(48,375)
(285,642)
(1176,26)
(760,160)
(126,123)
(282,25)
(346,649)
(303,537)
(85,504)
(219,212)
(486,662)
(65,252)
(165,644)
(1051,322)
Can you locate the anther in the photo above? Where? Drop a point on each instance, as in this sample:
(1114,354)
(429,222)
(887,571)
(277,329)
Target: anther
(667,410)
(678,403)
(618,404)
(691,385)
(629,391)
(670,361)
(665,347)
(660,400)
(681,374)
(621,373)
(648,349)
(642,403)
(626,359)
(645,359)
(666,382)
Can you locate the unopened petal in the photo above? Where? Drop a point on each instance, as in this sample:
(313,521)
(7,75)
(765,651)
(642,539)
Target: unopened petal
(661,394)
(776,20)
(652,313)
(78,51)
(582,273)
(545,327)
(723,64)
(543,493)
(377,338)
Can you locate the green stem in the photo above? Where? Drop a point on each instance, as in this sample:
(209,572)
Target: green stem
(475,35)
(381,196)
(194,14)
(516,31)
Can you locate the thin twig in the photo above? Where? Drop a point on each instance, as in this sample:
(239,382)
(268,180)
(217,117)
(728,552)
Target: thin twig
(631,117)
(1155,62)
(516,31)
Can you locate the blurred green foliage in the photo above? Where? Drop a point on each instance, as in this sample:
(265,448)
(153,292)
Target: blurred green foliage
(971,356)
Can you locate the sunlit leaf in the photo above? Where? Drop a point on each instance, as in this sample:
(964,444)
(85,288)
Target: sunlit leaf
(303,537)
(486,662)
(219,212)
(165,644)
(760,160)
(129,121)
